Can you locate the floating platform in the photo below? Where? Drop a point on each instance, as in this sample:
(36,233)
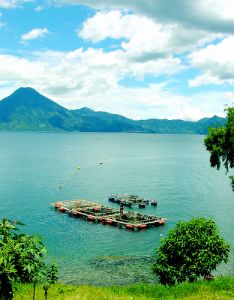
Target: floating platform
(130,200)
(94,212)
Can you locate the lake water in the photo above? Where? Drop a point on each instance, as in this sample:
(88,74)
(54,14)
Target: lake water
(174,169)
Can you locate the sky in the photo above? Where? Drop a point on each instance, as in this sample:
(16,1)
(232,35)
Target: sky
(138,58)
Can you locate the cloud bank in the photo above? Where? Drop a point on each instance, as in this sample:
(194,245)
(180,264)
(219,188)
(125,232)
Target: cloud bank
(142,59)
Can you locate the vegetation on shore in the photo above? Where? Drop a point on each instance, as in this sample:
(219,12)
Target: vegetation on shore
(22,260)
(220,288)
(220,143)
(192,249)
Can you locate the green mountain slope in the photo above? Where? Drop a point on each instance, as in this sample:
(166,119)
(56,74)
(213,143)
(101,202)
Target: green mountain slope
(26,109)
(181,127)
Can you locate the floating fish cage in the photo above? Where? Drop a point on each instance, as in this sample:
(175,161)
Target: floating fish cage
(68,206)
(94,212)
(135,221)
(130,200)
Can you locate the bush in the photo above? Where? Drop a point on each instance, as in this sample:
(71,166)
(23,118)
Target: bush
(192,249)
(21,259)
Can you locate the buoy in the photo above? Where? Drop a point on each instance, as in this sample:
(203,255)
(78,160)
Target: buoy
(129,226)
(96,208)
(161,221)
(91,218)
(58,204)
(142,226)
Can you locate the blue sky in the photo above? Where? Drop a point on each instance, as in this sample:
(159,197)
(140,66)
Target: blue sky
(142,59)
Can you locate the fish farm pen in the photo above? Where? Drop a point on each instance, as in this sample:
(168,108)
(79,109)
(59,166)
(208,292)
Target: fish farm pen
(94,212)
(130,200)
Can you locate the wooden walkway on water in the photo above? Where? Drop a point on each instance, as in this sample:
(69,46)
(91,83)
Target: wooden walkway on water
(97,213)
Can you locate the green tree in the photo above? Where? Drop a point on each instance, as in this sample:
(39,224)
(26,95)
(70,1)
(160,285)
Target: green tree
(220,143)
(51,278)
(192,249)
(21,258)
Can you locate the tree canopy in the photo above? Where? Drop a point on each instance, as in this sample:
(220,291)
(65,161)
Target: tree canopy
(21,257)
(192,249)
(220,143)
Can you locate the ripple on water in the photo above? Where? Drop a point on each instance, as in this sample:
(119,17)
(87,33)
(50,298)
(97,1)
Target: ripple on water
(173,169)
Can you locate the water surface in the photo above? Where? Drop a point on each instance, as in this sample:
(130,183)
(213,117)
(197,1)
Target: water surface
(174,169)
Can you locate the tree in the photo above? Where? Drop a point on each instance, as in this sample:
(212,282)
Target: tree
(220,143)
(192,249)
(21,258)
(51,278)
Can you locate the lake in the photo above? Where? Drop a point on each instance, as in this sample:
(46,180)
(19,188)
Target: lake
(174,169)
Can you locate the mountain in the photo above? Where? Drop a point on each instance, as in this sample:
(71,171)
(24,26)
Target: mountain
(181,127)
(26,109)
(106,122)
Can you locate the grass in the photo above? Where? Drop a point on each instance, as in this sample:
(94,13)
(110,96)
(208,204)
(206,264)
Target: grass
(221,288)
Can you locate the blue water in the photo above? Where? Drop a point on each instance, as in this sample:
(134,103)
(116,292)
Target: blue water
(174,169)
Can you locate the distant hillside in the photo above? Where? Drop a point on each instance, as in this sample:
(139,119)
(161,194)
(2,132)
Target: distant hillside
(26,109)
(180,126)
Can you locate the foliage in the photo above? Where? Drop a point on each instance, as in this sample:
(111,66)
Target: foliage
(21,257)
(220,143)
(219,288)
(52,274)
(51,278)
(192,249)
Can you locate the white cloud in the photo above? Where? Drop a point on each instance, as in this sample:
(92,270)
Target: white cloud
(15,69)
(2,24)
(142,34)
(216,61)
(145,39)
(211,15)
(34,34)
(149,41)
(204,79)
(229,95)
(12,3)
(211,102)
(222,9)
(92,78)
(38,8)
